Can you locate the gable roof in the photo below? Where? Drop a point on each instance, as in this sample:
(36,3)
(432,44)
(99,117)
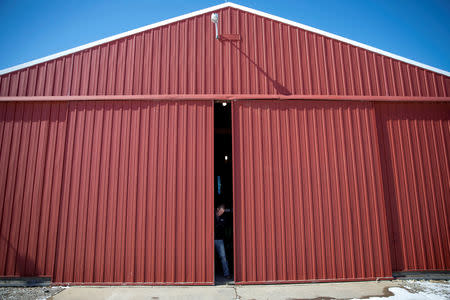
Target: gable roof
(211,9)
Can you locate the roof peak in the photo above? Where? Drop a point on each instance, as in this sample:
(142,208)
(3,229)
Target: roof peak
(210,9)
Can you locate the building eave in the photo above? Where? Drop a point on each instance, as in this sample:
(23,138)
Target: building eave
(211,9)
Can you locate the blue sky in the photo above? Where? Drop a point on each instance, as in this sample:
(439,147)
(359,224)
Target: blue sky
(419,30)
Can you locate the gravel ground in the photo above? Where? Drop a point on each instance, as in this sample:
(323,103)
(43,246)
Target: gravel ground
(430,289)
(29,293)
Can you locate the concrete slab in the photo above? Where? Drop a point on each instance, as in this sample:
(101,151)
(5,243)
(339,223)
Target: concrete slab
(343,290)
(148,293)
(340,290)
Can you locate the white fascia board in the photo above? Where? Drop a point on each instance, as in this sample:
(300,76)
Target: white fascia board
(217,7)
(114,37)
(339,38)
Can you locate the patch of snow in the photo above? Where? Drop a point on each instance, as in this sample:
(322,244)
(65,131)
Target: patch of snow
(418,290)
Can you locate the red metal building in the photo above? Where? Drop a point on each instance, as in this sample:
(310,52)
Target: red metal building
(340,156)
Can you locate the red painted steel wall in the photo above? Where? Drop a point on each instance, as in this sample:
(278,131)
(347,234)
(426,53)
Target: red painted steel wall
(415,144)
(120,191)
(185,58)
(107,192)
(308,192)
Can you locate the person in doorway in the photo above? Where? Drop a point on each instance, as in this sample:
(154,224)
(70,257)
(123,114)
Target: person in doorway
(219,235)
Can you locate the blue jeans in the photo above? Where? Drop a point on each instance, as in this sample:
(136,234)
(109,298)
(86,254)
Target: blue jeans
(220,248)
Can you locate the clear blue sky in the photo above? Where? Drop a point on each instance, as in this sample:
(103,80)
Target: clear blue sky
(419,30)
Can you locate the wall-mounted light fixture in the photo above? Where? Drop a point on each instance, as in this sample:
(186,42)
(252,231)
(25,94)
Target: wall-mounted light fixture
(215,20)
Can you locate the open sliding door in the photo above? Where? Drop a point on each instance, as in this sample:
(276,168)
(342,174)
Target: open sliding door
(308,192)
(107,192)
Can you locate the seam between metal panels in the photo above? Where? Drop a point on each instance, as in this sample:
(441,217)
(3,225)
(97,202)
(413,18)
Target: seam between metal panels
(204,97)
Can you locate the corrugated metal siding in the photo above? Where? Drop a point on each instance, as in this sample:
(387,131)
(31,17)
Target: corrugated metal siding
(308,192)
(415,139)
(185,58)
(107,192)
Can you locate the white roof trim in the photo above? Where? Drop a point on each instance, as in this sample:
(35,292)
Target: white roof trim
(114,37)
(213,8)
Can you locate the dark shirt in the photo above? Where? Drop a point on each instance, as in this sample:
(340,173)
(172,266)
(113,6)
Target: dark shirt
(219,227)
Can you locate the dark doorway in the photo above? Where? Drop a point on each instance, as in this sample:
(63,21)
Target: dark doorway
(223,186)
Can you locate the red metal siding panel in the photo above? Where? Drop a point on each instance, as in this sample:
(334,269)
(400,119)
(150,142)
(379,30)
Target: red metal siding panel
(414,140)
(30,177)
(185,58)
(308,192)
(107,192)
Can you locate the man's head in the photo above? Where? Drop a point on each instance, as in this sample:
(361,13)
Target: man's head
(220,209)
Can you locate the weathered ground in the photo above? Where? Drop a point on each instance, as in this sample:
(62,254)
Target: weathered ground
(418,290)
(28,293)
(381,290)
